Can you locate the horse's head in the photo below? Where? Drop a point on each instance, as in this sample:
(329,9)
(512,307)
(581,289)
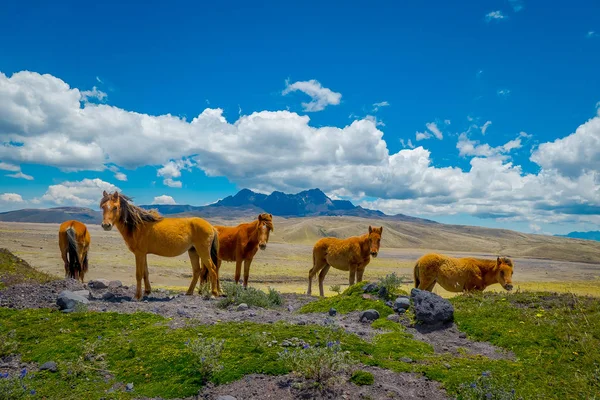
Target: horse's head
(111,209)
(375,239)
(265,226)
(504,266)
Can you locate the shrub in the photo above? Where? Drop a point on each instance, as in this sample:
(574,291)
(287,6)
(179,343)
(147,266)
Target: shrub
(236,294)
(362,378)
(319,363)
(392,284)
(206,355)
(336,288)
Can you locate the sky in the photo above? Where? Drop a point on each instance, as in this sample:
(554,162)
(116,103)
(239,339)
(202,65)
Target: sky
(484,113)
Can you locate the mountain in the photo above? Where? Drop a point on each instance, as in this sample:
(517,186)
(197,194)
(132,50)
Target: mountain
(53,215)
(591,235)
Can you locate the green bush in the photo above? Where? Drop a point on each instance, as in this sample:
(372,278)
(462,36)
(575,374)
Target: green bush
(336,288)
(362,378)
(206,355)
(392,283)
(236,294)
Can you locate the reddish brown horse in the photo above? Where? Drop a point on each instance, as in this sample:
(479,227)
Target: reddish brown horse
(240,244)
(74,242)
(351,254)
(462,274)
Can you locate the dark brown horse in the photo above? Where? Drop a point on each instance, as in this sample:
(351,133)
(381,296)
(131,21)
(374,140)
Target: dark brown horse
(74,243)
(240,244)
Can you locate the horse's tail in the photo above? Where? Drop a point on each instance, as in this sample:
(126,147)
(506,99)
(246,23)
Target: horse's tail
(416,275)
(73,257)
(214,248)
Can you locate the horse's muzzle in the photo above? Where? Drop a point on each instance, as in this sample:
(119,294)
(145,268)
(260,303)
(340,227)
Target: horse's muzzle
(508,287)
(106,227)
(262,246)
(374,254)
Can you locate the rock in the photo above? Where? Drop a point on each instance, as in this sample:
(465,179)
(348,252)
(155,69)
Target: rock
(401,303)
(290,308)
(286,343)
(98,284)
(383,292)
(462,335)
(182,313)
(332,311)
(448,366)
(115,284)
(67,300)
(370,287)
(108,296)
(430,308)
(242,307)
(301,323)
(367,296)
(129,387)
(389,304)
(406,360)
(82,293)
(401,311)
(393,318)
(226,397)
(49,366)
(369,315)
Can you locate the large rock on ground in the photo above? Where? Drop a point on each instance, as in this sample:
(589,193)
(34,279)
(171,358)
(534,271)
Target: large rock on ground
(369,315)
(99,284)
(401,303)
(430,308)
(67,300)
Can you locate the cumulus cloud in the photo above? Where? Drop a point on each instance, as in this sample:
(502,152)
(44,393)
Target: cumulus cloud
(321,96)
(118,175)
(377,106)
(432,130)
(164,199)
(86,192)
(86,95)
(495,16)
(172,169)
(11,198)
(406,144)
(468,147)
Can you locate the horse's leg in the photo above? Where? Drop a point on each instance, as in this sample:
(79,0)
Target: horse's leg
(322,278)
(140,261)
(218,277)
(247,263)
(359,274)
(238,269)
(319,262)
(195,261)
(352,272)
(205,259)
(147,287)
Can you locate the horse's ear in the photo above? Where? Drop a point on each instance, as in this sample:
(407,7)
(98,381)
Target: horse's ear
(381,229)
(115,196)
(370,229)
(271,215)
(498,260)
(104,194)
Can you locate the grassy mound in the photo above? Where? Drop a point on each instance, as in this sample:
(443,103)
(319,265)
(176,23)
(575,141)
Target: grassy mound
(13,271)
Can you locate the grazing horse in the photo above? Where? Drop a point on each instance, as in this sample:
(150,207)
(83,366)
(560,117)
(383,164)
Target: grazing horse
(74,242)
(146,232)
(240,243)
(462,274)
(351,254)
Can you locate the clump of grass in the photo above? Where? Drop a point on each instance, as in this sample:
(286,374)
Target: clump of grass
(362,378)
(322,364)
(351,299)
(14,388)
(204,290)
(89,363)
(206,355)
(336,288)
(236,294)
(8,344)
(391,283)
(485,388)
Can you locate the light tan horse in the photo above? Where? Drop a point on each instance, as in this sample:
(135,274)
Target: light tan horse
(74,242)
(240,243)
(146,232)
(462,274)
(351,254)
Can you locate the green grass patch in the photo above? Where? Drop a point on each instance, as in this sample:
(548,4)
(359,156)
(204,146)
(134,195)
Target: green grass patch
(236,294)
(362,378)
(13,271)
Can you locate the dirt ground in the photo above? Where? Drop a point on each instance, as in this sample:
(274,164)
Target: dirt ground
(282,266)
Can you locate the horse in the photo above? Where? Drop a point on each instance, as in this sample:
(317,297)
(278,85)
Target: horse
(147,232)
(462,274)
(351,254)
(240,243)
(74,242)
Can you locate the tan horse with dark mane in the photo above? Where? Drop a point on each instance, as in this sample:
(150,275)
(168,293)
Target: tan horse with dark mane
(74,242)
(240,244)
(351,254)
(462,274)
(146,232)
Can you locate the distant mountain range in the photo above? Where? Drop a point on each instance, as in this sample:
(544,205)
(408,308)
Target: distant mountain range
(308,203)
(591,235)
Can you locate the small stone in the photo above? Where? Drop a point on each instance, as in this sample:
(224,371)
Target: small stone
(286,343)
(370,287)
(406,360)
(290,308)
(462,335)
(402,302)
(67,300)
(300,323)
(393,318)
(389,304)
(226,397)
(332,311)
(98,284)
(383,292)
(242,307)
(118,284)
(129,387)
(369,315)
(49,366)
(108,296)
(448,366)
(401,311)
(367,296)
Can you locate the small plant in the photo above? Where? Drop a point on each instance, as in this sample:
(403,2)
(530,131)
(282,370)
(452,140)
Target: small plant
(206,356)
(261,341)
(236,294)
(336,288)
(8,344)
(204,290)
(275,297)
(362,378)
(319,363)
(88,363)
(484,388)
(391,283)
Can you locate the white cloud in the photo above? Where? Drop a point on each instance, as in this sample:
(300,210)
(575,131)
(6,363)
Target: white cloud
(79,193)
(9,167)
(11,198)
(591,34)
(406,144)
(172,169)
(495,16)
(535,228)
(433,130)
(99,80)
(20,175)
(517,5)
(447,122)
(93,94)
(164,199)
(468,147)
(321,96)
(485,127)
(503,92)
(120,176)
(377,106)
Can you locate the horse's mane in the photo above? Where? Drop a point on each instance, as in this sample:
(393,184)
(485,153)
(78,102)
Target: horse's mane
(132,216)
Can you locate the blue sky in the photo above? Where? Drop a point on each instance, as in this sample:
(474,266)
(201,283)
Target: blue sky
(495,90)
